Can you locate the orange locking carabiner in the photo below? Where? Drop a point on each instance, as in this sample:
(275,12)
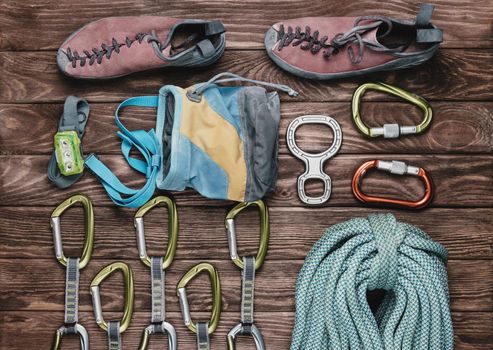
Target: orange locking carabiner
(393,167)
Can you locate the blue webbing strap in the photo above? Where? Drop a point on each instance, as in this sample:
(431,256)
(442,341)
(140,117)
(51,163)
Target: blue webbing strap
(147,144)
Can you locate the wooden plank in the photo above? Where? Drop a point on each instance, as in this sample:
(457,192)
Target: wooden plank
(29,129)
(469,284)
(23,21)
(452,75)
(472,330)
(460,181)
(457,150)
(465,233)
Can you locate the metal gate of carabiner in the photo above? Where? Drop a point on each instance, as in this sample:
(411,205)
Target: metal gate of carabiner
(158,265)
(264,233)
(248,265)
(202,329)
(114,328)
(393,167)
(314,163)
(73,267)
(390,130)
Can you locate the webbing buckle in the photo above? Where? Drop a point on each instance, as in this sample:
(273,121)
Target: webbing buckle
(397,168)
(390,130)
(67,152)
(264,233)
(216,296)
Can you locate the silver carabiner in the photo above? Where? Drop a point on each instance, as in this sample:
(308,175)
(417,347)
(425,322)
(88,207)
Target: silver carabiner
(164,328)
(314,162)
(241,329)
(75,329)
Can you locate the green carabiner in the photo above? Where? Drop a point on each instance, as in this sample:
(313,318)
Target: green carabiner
(172,230)
(129,294)
(264,232)
(390,130)
(89,223)
(216,296)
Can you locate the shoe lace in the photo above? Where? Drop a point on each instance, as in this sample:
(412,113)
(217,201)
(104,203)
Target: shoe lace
(308,41)
(96,55)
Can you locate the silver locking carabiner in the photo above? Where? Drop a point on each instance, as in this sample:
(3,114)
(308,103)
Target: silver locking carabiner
(314,162)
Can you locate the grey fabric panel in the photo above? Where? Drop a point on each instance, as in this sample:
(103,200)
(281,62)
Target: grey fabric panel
(72,291)
(247,290)
(206,48)
(214,28)
(114,339)
(260,116)
(202,336)
(157,289)
(429,36)
(167,132)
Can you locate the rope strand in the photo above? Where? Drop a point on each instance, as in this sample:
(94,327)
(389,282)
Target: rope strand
(332,310)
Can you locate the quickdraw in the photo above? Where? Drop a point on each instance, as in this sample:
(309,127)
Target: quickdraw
(393,167)
(158,265)
(114,328)
(248,265)
(314,163)
(202,329)
(390,130)
(73,266)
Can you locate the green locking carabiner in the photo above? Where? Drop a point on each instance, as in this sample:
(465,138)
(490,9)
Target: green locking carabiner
(89,223)
(216,296)
(264,233)
(172,230)
(390,130)
(129,294)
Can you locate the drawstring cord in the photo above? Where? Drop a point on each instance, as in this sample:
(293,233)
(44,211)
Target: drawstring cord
(195,94)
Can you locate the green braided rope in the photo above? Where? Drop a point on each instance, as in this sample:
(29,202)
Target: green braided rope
(332,311)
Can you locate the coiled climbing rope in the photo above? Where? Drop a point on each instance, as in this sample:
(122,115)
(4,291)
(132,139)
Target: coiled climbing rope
(332,311)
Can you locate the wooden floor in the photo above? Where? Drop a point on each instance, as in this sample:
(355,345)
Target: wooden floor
(457,151)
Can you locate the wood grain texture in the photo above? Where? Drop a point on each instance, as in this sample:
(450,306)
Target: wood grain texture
(454,74)
(29,129)
(461,181)
(472,330)
(465,23)
(457,150)
(470,285)
(466,233)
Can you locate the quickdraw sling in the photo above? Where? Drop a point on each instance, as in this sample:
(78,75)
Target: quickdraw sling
(73,266)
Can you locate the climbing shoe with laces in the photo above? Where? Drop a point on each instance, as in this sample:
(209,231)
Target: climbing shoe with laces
(117,46)
(340,47)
